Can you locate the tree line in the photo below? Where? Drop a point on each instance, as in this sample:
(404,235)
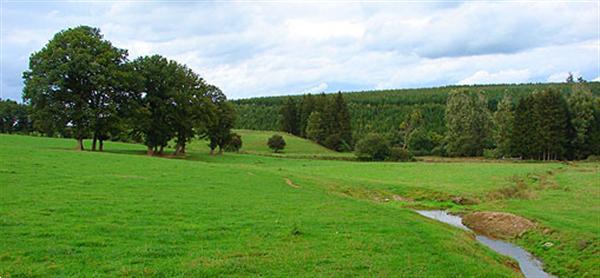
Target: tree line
(543,125)
(322,119)
(81,86)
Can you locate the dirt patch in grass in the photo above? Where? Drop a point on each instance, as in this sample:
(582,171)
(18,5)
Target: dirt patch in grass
(497,224)
(290,183)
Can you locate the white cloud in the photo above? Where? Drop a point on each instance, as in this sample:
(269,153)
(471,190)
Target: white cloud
(504,76)
(316,89)
(281,48)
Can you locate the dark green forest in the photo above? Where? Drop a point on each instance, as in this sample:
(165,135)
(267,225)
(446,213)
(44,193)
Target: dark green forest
(385,111)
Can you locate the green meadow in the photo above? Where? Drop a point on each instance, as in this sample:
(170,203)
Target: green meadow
(121,213)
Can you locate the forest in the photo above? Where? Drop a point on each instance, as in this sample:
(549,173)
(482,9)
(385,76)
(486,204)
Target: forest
(424,120)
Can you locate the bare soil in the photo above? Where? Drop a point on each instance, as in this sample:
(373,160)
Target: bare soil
(497,224)
(290,183)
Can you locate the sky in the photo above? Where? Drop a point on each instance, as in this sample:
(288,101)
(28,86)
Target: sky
(274,47)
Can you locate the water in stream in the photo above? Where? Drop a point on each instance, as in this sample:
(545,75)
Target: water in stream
(529,265)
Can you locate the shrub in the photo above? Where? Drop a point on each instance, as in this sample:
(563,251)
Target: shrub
(491,153)
(593,158)
(276,143)
(400,154)
(234,144)
(373,147)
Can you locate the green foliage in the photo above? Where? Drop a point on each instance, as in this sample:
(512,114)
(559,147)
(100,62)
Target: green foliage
(504,119)
(468,123)
(315,128)
(373,147)
(400,154)
(276,143)
(383,111)
(235,143)
(290,122)
(14,117)
(73,81)
(581,104)
(219,129)
(492,153)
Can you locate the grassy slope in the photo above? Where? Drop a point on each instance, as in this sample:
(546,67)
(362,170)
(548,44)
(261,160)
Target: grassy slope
(255,142)
(569,212)
(565,205)
(80,213)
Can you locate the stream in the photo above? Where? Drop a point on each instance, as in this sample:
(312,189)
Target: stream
(529,265)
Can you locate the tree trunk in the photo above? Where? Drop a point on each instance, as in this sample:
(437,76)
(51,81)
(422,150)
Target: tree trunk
(212,151)
(80,144)
(150,151)
(160,151)
(94,142)
(101,146)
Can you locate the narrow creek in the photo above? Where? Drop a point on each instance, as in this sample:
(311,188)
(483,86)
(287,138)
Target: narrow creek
(529,265)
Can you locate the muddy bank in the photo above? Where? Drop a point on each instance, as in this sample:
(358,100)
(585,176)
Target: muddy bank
(497,224)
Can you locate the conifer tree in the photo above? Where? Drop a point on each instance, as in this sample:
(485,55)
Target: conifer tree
(581,104)
(504,120)
(289,117)
(306,108)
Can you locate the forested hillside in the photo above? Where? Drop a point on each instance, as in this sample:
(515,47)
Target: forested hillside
(383,111)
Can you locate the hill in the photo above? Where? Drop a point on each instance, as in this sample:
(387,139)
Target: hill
(255,142)
(383,111)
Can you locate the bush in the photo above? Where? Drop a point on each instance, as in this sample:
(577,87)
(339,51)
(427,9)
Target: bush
(439,151)
(400,154)
(491,153)
(276,143)
(234,144)
(593,158)
(373,147)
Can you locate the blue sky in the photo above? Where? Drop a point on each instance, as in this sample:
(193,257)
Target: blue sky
(262,48)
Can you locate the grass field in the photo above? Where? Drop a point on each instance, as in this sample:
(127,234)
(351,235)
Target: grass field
(121,213)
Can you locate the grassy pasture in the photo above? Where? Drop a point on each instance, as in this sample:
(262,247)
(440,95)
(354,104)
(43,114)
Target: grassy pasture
(122,213)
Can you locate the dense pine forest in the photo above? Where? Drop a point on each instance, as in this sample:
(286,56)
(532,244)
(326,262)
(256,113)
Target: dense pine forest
(422,113)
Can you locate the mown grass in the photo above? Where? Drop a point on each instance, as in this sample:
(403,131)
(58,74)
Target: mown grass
(121,214)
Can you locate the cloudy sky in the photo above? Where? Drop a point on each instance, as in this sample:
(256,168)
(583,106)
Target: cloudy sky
(260,48)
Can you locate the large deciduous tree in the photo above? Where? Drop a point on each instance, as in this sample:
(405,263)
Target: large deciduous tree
(468,123)
(219,129)
(70,83)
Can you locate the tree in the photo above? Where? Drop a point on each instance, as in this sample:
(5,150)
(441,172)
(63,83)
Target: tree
(276,143)
(340,131)
(289,117)
(307,106)
(155,100)
(551,112)
(525,131)
(373,147)
(219,128)
(71,82)
(581,104)
(570,78)
(14,117)
(504,119)
(408,127)
(315,128)
(468,123)
(235,143)
(193,109)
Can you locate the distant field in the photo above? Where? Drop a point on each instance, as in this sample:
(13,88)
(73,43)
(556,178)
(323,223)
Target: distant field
(121,213)
(255,142)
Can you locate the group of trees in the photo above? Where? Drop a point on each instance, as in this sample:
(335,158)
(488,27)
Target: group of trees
(80,85)
(14,117)
(322,119)
(543,125)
